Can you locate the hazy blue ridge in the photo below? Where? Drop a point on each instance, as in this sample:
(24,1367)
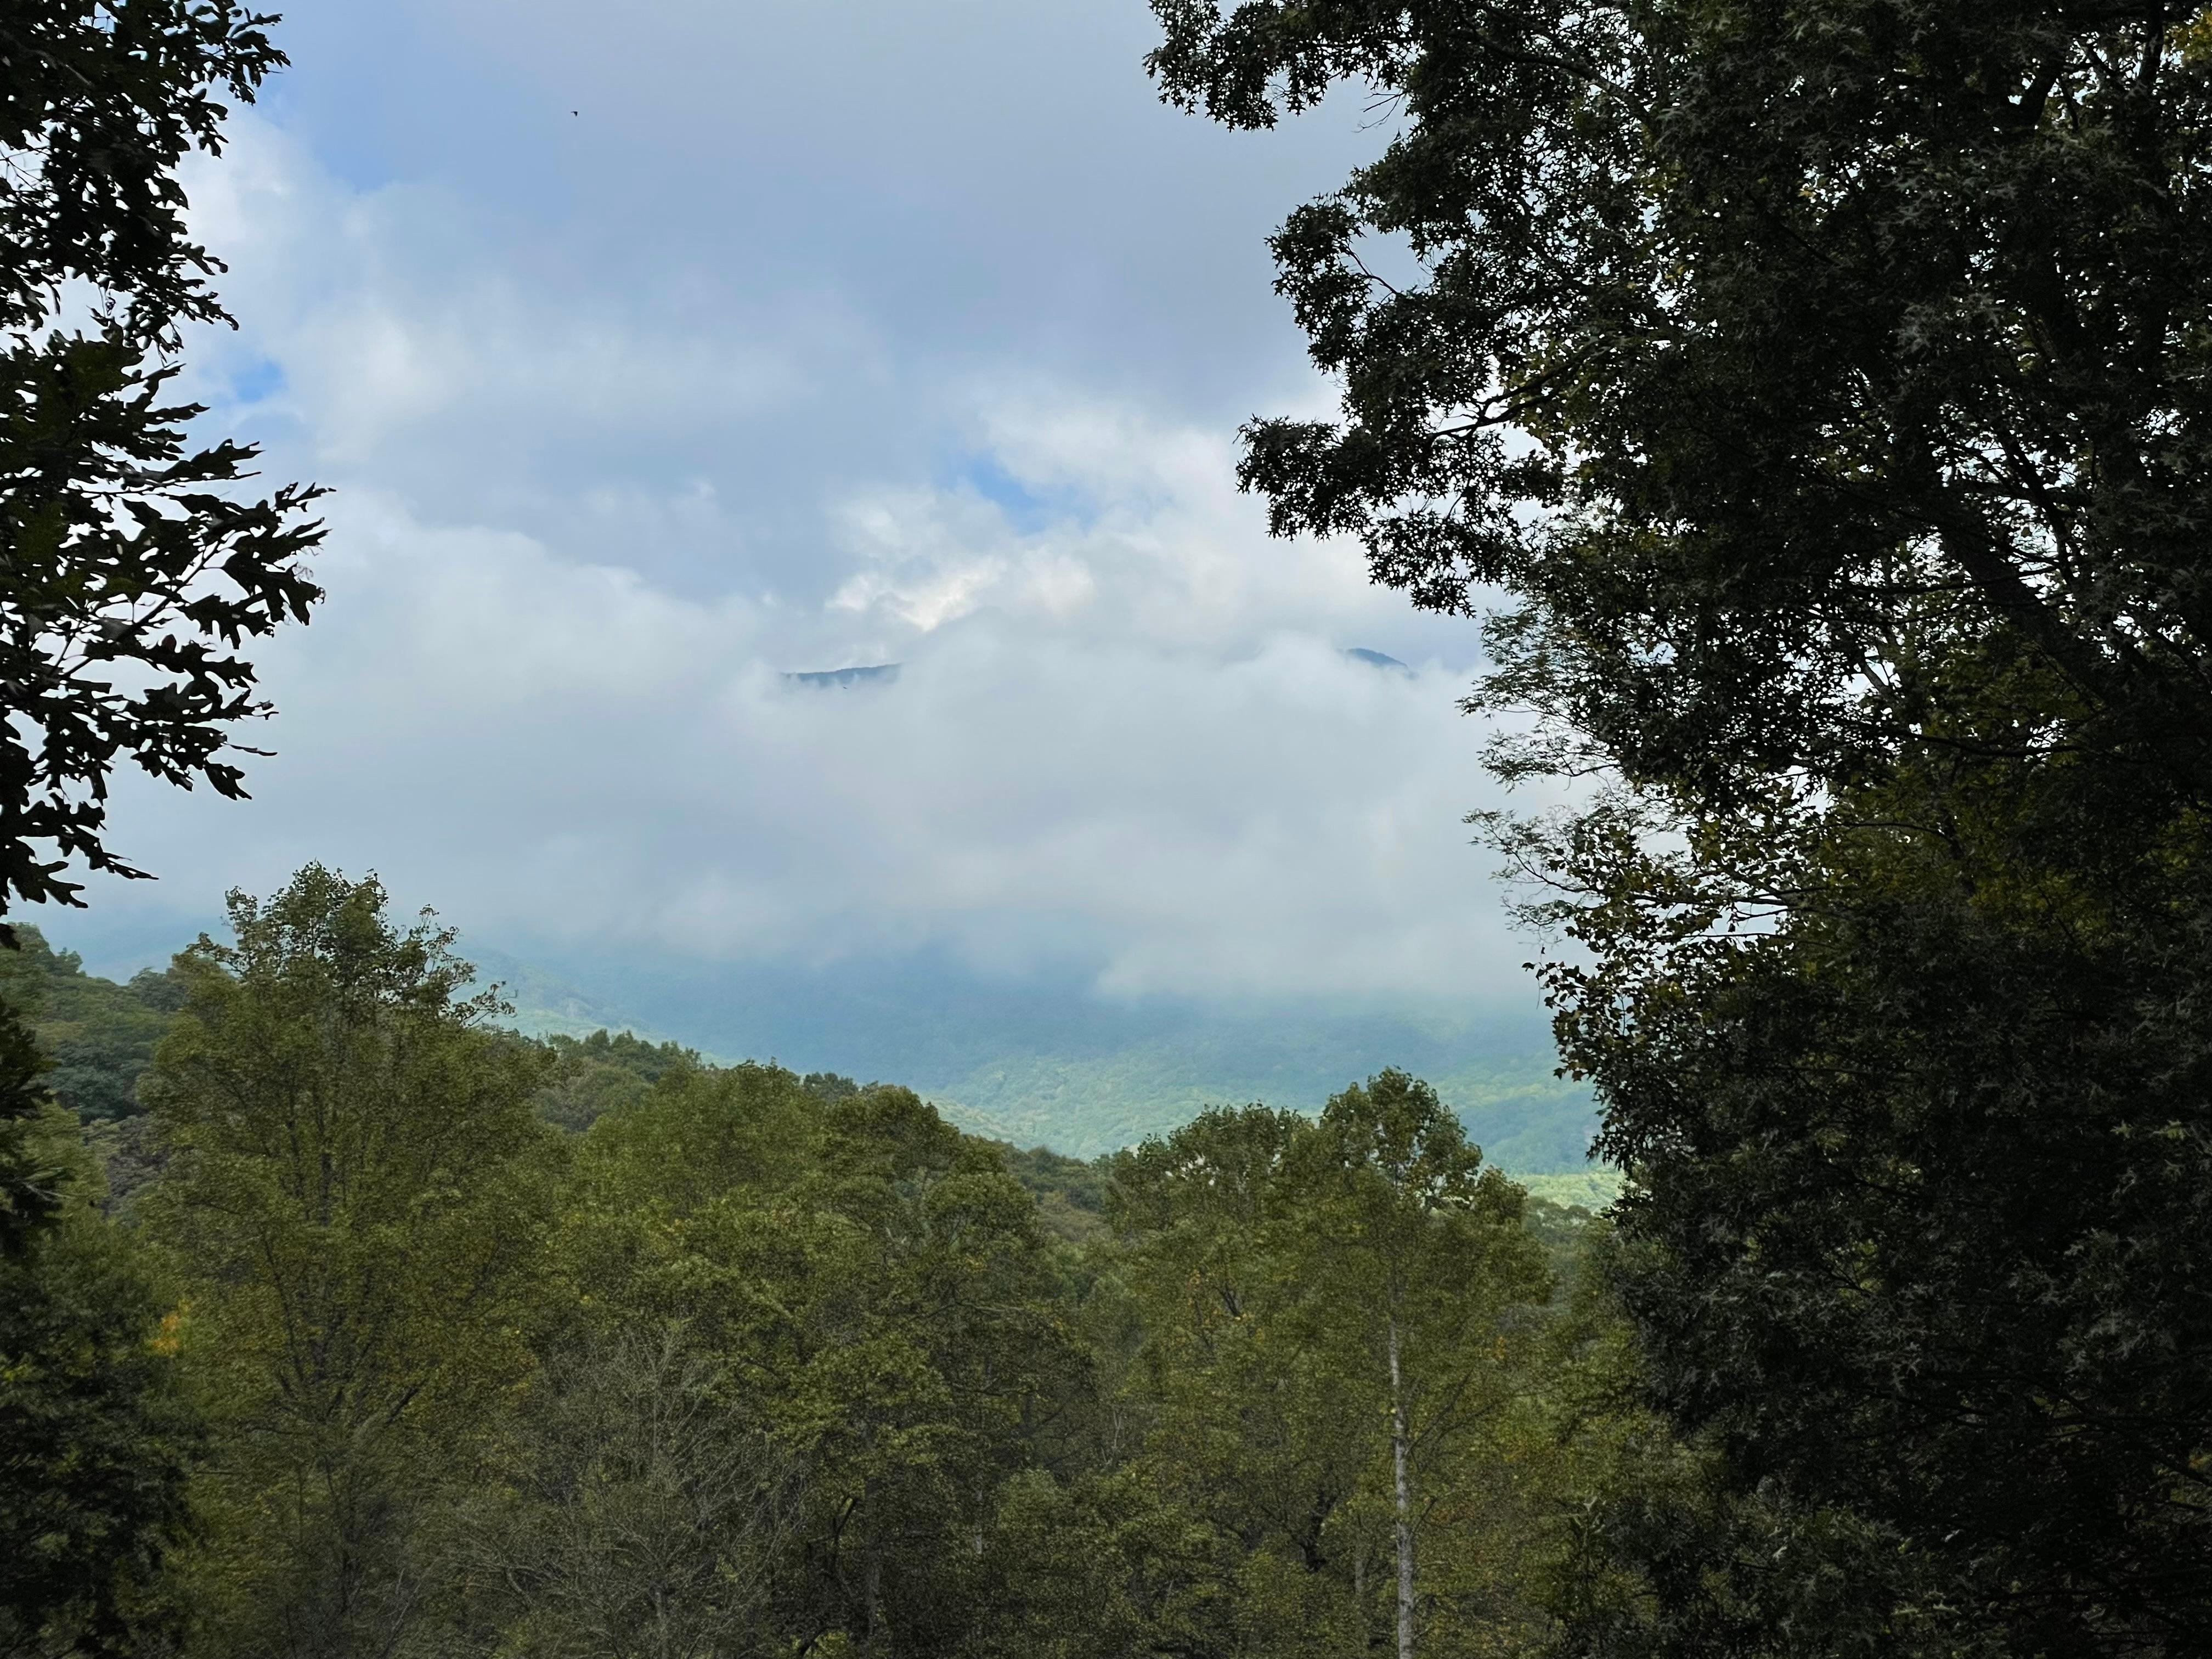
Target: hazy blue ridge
(1041,1062)
(545,1005)
(1036,1061)
(1376,659)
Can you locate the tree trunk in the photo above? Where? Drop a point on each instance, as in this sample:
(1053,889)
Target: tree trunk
(1402,1481)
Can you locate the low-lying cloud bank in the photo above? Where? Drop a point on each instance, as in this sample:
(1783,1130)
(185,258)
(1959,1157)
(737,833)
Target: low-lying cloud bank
(582,537)
(550,750)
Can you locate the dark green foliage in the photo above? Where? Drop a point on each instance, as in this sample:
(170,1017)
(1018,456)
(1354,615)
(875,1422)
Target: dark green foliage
(593,1075)
(1565,1230)
(358,1202)
(1070,1192)
(647,1061)
(647,1512)
(29,1192)
(874,1287)
(99,1036)
(134,570)
(1108,1567)
(94,1428)
(1336,1333)
(103,103)
(1967,1303)
(1081,1182)
(1823,384)
(989,1454)
(1828,323)
(130,574)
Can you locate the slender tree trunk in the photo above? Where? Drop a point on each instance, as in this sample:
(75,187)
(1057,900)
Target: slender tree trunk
(1403,1482)
(872,1569)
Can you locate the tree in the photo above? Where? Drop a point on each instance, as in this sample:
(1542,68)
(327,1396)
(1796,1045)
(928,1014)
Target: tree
(359,1191)
(95,1429)
(29,1178)
(1258,1433)
(100,1036)
(1338,1321)
(1815,389)
(1413,1236)
(648,1517)
(130,574)
(134,571)
(1750,345)
(879,1291)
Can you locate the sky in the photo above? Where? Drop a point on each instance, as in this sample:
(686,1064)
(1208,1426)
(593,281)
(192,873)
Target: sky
(652,353)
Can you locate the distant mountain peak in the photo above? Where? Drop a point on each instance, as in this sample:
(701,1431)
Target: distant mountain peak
(1375,659)
(822,678)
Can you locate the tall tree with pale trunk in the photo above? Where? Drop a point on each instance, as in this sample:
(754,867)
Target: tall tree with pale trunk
(1415,1252)
(1337,1318)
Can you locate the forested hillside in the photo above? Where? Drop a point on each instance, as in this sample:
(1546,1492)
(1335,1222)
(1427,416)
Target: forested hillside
(462,1341)
(1527,1120)
(1046,1059)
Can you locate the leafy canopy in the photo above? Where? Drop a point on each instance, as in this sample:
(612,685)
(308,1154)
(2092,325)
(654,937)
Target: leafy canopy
(357,1187)
(1763,353)
(1812,393)
(132,571)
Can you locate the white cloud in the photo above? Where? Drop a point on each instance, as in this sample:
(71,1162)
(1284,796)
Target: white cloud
(584,522)
(538,745)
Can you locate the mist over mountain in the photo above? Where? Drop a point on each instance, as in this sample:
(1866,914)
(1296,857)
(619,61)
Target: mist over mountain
(1044,1061)
(1040,1059)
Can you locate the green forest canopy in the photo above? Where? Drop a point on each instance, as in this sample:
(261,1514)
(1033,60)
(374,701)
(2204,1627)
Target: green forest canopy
(457,1340)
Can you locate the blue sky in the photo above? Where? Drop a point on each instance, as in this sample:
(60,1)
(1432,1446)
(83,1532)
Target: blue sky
(654,351)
